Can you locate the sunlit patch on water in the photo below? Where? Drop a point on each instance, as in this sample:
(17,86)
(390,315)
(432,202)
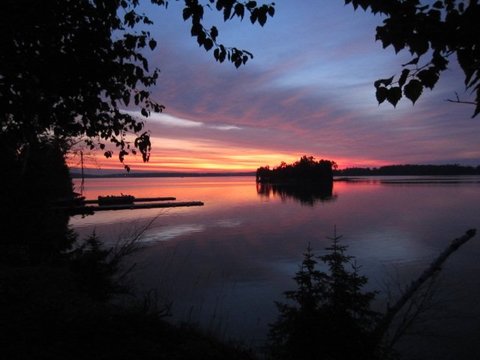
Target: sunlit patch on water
(166,233)
(228,223)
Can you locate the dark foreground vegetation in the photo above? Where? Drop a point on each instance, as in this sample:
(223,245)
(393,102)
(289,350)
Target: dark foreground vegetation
(330,315)
(67,298)
(80,307)
(46,314)
(400,170)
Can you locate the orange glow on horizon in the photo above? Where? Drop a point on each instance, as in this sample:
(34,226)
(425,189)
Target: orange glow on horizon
(232,163)
(172,155)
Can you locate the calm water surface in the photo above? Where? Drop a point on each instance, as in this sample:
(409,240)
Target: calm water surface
(224,264)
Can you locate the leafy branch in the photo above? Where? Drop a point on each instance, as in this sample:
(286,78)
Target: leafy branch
(67,68)
(436,30)
(207,38)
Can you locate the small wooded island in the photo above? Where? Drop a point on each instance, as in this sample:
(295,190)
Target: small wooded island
(306,170)
(306,180)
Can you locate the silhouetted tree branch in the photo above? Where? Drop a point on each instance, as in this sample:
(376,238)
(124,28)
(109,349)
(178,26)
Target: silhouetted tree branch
(434,268)
(432,31)
(458,101)
(67,68)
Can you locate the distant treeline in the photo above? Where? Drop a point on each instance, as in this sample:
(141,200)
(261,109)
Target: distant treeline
(307,169)
(410,170)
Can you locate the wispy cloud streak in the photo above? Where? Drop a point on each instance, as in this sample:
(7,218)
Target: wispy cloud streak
(309,90)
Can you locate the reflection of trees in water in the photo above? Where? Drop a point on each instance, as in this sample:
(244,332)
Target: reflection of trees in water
(304,192)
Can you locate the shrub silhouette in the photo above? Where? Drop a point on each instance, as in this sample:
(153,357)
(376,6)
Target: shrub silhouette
(328,316)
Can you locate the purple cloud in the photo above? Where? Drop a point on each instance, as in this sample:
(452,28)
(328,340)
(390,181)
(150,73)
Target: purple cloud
(309,90)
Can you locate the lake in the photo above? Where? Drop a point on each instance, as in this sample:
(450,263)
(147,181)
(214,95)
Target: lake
(224,264)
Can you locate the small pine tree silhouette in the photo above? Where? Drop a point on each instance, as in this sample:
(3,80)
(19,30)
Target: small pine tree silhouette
(328,316)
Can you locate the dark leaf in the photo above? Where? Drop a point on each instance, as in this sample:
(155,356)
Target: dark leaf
(398,44)
(254,16)
(187,12)
(381,94)
(271,11)
(439,61)
(413,90)
(419,45)
(227,11)
(466,62)
(251,4)
(262,18)
(208,44)
(196,29)
(394,95)
(152,44)
(201,38)
(214,33)
(428,77)
(262,15)
(240,10)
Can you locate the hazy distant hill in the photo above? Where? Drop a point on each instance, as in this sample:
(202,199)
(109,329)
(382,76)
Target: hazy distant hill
(354,171)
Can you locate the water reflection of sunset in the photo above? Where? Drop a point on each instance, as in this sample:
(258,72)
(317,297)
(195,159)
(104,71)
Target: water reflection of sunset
(219,190)
(245,247)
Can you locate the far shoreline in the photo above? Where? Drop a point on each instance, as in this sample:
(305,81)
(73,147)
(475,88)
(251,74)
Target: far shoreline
(390,170)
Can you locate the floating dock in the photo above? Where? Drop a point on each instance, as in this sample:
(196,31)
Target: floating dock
(84,207)
(167,198)
(92,209)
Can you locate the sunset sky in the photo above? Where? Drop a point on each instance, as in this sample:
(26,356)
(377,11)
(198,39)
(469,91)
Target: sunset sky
(308,90)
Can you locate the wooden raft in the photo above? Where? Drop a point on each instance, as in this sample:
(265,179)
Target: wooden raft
(129,203)
(88,209)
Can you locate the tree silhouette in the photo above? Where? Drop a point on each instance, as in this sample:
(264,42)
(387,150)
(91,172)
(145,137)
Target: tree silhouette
(433,32)
(68,66)
(305,170)
(329,314)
